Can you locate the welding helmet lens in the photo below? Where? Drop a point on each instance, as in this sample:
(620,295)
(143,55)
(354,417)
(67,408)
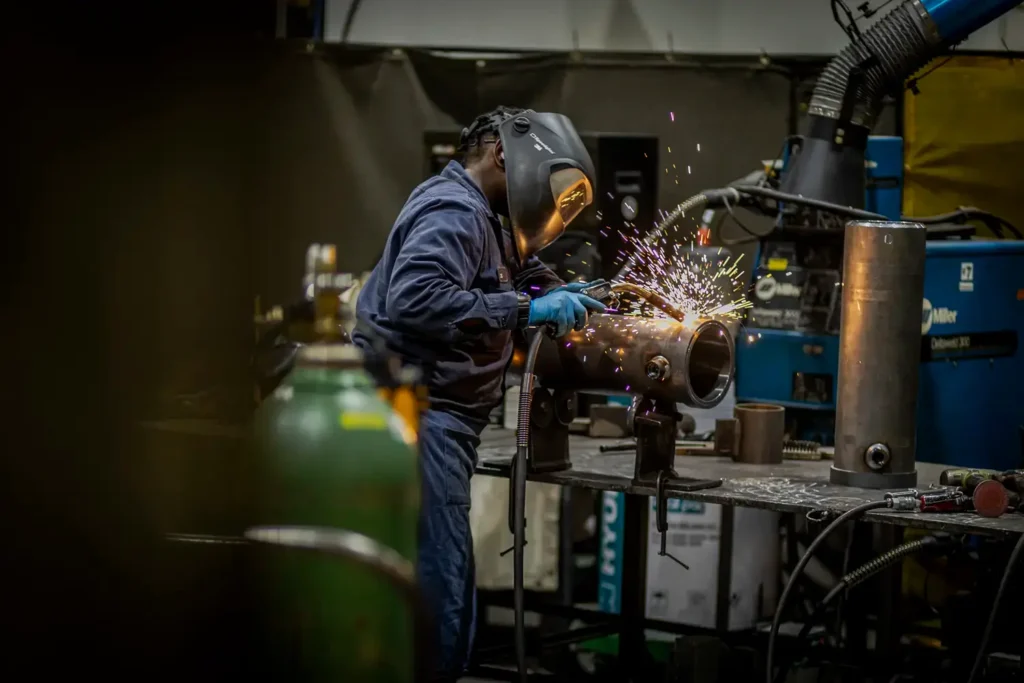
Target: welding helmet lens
(549,175)
(572,192)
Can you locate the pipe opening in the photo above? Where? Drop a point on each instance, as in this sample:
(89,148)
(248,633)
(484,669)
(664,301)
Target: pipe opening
(709,364)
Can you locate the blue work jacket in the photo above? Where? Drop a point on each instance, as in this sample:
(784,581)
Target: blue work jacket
(443,296)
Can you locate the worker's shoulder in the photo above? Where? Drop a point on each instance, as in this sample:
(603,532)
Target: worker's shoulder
(440,196)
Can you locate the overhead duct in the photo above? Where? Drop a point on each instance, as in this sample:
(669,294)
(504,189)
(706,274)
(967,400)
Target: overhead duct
(848,95)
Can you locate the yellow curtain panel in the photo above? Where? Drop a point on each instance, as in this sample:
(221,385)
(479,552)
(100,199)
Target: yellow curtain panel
(964,139)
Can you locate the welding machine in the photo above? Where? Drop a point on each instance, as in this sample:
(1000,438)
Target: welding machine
(971,396)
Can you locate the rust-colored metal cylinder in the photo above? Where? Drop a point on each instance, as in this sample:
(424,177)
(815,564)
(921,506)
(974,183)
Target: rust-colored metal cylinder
(660,359)
(762,429)
(879,355)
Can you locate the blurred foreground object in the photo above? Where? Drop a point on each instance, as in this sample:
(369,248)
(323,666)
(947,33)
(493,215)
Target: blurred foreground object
(335,460)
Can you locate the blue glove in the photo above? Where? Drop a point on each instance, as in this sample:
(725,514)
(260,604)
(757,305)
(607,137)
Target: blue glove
(571,287)
(564,309)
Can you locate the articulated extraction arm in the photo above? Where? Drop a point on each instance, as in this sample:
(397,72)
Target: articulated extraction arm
(848,94)
(825,175)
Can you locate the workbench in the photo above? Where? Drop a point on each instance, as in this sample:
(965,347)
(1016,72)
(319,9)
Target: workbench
(794,486)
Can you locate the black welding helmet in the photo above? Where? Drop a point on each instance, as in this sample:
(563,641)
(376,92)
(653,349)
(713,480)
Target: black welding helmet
(549,174)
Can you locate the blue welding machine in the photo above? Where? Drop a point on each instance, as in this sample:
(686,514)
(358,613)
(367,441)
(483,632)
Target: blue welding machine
(971,398)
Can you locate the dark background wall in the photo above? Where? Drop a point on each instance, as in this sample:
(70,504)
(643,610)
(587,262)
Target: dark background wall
(195,181)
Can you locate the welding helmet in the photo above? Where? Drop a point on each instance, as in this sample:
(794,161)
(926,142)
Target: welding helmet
(549,174)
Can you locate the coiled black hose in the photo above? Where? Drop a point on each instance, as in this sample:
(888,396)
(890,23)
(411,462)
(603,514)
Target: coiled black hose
(518,502)
(852,579)
(798,570)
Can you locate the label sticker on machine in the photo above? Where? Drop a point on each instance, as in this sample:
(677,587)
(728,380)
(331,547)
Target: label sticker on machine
(945,347)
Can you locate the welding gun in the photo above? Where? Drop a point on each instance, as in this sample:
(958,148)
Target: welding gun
(608,293)
(600,290)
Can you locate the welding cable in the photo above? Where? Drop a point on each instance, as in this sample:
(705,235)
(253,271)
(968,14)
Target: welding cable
(851,580)
(798,570)
(838,209)
(691,205)
(1007,574)
(518,502)
(966,214)
(753,236)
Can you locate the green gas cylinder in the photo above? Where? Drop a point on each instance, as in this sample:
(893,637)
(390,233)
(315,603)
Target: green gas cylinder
(332,454)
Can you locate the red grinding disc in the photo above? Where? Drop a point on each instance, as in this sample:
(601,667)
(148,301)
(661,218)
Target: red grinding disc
(990,499)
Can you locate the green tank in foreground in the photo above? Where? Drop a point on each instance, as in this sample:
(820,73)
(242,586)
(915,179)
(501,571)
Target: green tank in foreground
(335,511)
(334,456)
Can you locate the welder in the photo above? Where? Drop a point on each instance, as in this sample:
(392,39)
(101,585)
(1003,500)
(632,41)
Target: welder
(451,287)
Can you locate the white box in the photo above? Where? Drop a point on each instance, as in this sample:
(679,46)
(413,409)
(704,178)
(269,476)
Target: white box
(691,596)
(694,537)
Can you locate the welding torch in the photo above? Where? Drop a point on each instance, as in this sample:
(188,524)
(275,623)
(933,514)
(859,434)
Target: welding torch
(607,292)
(650,296)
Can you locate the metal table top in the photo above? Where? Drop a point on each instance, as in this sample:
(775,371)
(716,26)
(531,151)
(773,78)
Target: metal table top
(793,486)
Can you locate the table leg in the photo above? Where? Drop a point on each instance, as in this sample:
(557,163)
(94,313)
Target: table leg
(856,611)
(633,655)
(890,591)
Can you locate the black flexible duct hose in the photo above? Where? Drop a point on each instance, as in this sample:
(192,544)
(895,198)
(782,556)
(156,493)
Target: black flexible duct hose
(1007,575)
(852,579)
(893,49)
(519,467)
(798,570)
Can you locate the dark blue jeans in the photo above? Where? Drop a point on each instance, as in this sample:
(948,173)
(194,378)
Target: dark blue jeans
(445,566)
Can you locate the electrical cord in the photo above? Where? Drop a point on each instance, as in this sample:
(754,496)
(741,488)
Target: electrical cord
(518,502)
(798,570)
(851,29)
(731,196)
(838,209)
(970,213)
(849,581)
(1007,574)
(960,216)
(350,18)
(754,236)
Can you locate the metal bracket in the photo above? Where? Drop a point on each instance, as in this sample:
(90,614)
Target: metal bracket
(661,517)
(655,463)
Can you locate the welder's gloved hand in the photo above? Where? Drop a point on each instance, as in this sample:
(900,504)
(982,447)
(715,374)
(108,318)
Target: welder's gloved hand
(564,309)
(571,287)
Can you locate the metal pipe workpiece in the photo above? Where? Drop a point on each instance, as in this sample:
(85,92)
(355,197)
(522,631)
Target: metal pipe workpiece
(659,358)
(879,355)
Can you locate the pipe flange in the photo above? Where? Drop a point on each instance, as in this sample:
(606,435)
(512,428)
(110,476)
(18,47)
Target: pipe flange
(877,456)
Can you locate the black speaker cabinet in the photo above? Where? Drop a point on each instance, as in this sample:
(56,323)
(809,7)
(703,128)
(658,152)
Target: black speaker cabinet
(626,194)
